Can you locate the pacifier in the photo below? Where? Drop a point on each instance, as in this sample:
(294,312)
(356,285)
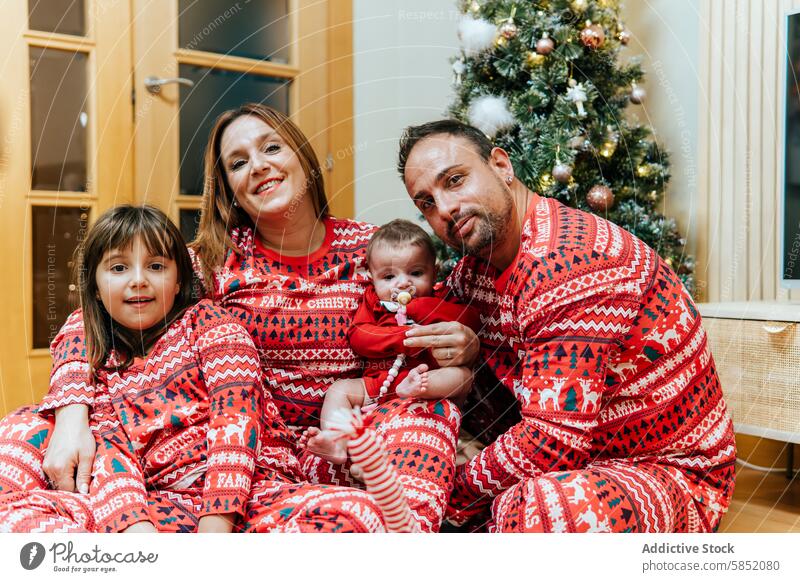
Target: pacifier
(403,298)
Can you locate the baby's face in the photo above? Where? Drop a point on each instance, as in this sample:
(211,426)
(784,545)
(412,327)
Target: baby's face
(400,267)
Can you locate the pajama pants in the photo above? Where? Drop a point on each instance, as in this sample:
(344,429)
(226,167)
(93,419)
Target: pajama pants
(276,505)
(420,438)
(614,496)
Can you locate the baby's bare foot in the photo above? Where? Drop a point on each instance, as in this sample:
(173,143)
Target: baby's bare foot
(324,443)
(415,384)
(307,434)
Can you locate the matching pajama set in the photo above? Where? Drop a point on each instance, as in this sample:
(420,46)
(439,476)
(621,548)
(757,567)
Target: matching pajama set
(376,335)
(623,427)
(186,432)
(297,311)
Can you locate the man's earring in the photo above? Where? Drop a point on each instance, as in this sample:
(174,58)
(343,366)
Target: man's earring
(509,179)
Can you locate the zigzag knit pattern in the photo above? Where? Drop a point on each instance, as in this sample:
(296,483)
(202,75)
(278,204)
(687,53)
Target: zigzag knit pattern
(188,418)
(298,311)
(604,350)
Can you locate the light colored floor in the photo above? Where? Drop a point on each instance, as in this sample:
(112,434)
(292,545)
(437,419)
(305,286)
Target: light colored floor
(763,503)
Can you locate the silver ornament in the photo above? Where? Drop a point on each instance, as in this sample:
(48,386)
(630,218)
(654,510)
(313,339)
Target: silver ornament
(638,95)
(545,45)
(562,173)
(508,29)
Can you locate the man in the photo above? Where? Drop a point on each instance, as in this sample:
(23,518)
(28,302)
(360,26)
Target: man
(623,423)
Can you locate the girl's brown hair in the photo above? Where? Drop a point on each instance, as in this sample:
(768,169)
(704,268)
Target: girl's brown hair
(116,229)
(219,215)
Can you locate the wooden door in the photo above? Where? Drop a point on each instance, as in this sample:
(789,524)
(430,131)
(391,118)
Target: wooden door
(66,131)
(80,131)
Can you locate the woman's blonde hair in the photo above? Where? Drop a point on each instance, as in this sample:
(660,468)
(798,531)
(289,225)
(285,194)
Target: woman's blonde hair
(219,215)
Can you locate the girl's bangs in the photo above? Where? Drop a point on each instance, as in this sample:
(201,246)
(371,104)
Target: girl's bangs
(153,233)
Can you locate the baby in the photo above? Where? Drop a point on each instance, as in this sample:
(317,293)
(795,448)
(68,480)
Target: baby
(402,262)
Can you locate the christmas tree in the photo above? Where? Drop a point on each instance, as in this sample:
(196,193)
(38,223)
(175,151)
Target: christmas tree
(545,81)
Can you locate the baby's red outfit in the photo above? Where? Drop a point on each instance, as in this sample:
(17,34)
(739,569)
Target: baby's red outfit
(376,335)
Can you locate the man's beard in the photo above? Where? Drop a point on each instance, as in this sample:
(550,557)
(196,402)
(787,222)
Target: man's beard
(489,229)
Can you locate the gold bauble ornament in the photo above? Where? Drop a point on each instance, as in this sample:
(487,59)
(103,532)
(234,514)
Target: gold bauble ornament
(624,37)
(501,41)
(534,60)
(579,5)
(600,198)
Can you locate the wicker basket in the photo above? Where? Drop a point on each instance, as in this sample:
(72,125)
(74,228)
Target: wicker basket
(759,367)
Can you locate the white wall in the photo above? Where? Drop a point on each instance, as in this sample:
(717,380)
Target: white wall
(403,76)
(666,36)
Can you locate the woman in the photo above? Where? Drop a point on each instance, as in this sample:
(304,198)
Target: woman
(268,251)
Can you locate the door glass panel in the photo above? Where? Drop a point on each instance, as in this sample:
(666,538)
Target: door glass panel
(56,232)
(256,30)
(59,120)
(189,222)
(62,16)
(216,91)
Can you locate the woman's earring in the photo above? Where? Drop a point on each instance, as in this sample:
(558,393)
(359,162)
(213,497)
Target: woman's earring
(509,179)
(235,203)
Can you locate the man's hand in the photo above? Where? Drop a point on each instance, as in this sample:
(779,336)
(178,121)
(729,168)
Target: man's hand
(451,343)
(70,452)
(141,527)
(221,523)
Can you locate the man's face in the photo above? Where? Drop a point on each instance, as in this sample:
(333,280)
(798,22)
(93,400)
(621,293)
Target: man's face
(460,194)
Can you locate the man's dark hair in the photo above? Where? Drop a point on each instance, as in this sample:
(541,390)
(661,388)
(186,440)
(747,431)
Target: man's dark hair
(416,133)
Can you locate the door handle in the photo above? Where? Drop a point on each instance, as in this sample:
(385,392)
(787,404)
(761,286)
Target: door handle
(153,84)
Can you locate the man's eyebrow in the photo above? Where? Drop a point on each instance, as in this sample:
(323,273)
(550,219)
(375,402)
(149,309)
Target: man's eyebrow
(439,177)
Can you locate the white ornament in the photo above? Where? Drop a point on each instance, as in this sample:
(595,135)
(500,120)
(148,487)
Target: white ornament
(458,69)
(577,94)
(490,114)
(476,35)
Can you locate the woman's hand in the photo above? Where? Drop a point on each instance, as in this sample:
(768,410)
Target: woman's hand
(219,523)
(70,452)
(141,527)
(451,343)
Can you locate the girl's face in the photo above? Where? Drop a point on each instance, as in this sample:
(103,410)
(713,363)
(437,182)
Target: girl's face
(263,171)
(137,288)
(399,268)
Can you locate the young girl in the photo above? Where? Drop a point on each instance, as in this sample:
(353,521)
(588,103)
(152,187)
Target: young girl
(187,440)
(402,263)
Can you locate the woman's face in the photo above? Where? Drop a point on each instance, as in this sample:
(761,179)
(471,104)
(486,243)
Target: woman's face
(263,171)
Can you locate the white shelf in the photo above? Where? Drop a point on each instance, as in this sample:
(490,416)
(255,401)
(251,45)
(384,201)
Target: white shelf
(752,310)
